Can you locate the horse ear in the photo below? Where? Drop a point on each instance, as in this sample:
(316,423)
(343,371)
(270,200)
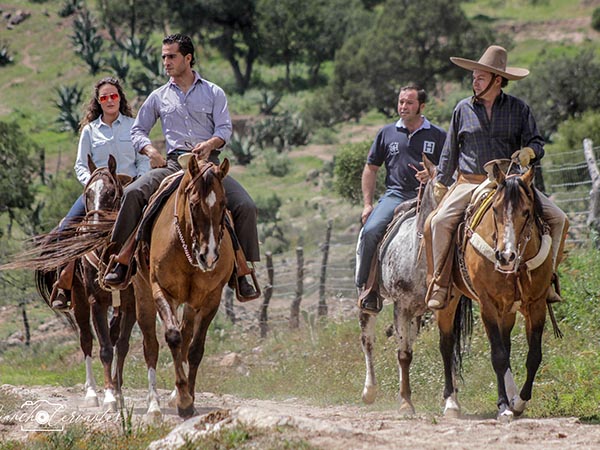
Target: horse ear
(224,167)
(529,176)
(91,164)
(499,176)
(112,164)
(124,179)
(431,169)
(192,166)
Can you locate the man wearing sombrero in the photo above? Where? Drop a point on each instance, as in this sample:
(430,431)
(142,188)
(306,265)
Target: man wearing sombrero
(489,125)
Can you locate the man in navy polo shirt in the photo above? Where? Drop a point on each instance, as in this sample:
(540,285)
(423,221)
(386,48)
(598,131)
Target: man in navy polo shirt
(399,146)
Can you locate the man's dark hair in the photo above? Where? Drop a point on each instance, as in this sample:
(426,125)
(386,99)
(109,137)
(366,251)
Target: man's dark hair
(421,93)
(186,47)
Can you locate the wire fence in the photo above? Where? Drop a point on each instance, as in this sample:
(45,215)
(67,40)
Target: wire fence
(566,179)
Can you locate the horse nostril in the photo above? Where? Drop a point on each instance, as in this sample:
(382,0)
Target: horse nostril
(498,256)
(512,257)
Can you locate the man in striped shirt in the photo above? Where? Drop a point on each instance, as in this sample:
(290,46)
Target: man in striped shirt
(489,125)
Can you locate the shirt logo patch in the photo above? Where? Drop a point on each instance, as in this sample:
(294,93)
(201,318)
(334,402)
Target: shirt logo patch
(428,147)
(393,148)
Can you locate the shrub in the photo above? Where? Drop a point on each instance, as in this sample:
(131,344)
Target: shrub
(70,7)
(281,132)
(242,148)
(596,19)
(68,101)
(278,165)
(88,43)
(348,166)
(5,57)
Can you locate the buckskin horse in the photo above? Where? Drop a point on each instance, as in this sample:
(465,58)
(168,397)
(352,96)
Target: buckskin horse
(189,261)
(403,280)
(507,268)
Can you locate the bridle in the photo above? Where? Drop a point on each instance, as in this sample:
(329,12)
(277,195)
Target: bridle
(524,233)
(190,185)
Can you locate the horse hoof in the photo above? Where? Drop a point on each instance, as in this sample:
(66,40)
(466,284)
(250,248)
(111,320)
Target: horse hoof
(153,416)
(172,402)
(186,413)
(406,409)
(91,402)
(110,406)
(369,394)
(452,408)
(506,416)
(518,405)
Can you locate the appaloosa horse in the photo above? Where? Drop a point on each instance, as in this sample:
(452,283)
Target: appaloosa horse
(507,268)
(189,261)
(403,280)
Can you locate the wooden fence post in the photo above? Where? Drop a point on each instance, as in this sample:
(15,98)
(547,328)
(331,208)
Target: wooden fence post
(295,310)
(593,220)
(229,312)
(322,310)
(268,292)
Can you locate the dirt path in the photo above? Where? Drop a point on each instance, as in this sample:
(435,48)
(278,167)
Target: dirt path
(334,427)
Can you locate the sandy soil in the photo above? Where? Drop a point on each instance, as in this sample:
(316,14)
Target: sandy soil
(335,427)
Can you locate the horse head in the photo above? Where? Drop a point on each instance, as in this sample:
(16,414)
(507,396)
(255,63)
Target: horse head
(513,209)
(103,190)
(206,207)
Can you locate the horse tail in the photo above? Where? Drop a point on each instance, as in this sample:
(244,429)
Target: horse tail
(462,331)
(43,283)
(557,333)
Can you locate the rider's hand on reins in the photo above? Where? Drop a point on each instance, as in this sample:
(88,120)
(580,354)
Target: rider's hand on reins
(523,156)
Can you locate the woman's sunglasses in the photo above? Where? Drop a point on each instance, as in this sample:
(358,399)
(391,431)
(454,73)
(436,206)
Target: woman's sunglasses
(104,97)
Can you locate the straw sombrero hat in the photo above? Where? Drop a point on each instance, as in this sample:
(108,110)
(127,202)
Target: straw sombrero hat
(494,61)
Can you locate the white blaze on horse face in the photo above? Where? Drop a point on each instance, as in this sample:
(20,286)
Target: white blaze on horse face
(211,251)
(510,246)
(96,187)
(211,199)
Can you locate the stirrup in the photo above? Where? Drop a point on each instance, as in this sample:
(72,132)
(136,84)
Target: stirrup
(254,284)
(109,268)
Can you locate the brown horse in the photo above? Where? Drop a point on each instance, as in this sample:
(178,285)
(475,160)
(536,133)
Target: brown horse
(507,268)
(189,261)
(102,196)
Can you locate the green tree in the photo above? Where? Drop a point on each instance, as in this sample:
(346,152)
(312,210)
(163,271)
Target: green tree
(561,87)
(411,40)
(20,160)
(229,26)
(132,16)
(309,32)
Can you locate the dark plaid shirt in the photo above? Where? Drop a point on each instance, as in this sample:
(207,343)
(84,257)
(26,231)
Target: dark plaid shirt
(473,139)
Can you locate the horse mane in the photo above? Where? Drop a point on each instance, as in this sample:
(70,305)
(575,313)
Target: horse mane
(54,249)
(513,185)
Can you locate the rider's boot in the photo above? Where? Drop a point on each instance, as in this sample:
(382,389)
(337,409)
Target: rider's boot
(60,298)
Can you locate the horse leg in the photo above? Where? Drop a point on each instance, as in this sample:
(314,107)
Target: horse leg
(100,318)
(81,311)
(185,402)
(196,347)
(127,319)
(445,319)
(406,334)
(187,331)
(367,341)
(499,355)
(146,317)
(509,381)
(535,319)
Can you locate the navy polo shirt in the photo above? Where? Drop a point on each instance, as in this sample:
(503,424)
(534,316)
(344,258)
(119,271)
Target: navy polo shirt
(395,147)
